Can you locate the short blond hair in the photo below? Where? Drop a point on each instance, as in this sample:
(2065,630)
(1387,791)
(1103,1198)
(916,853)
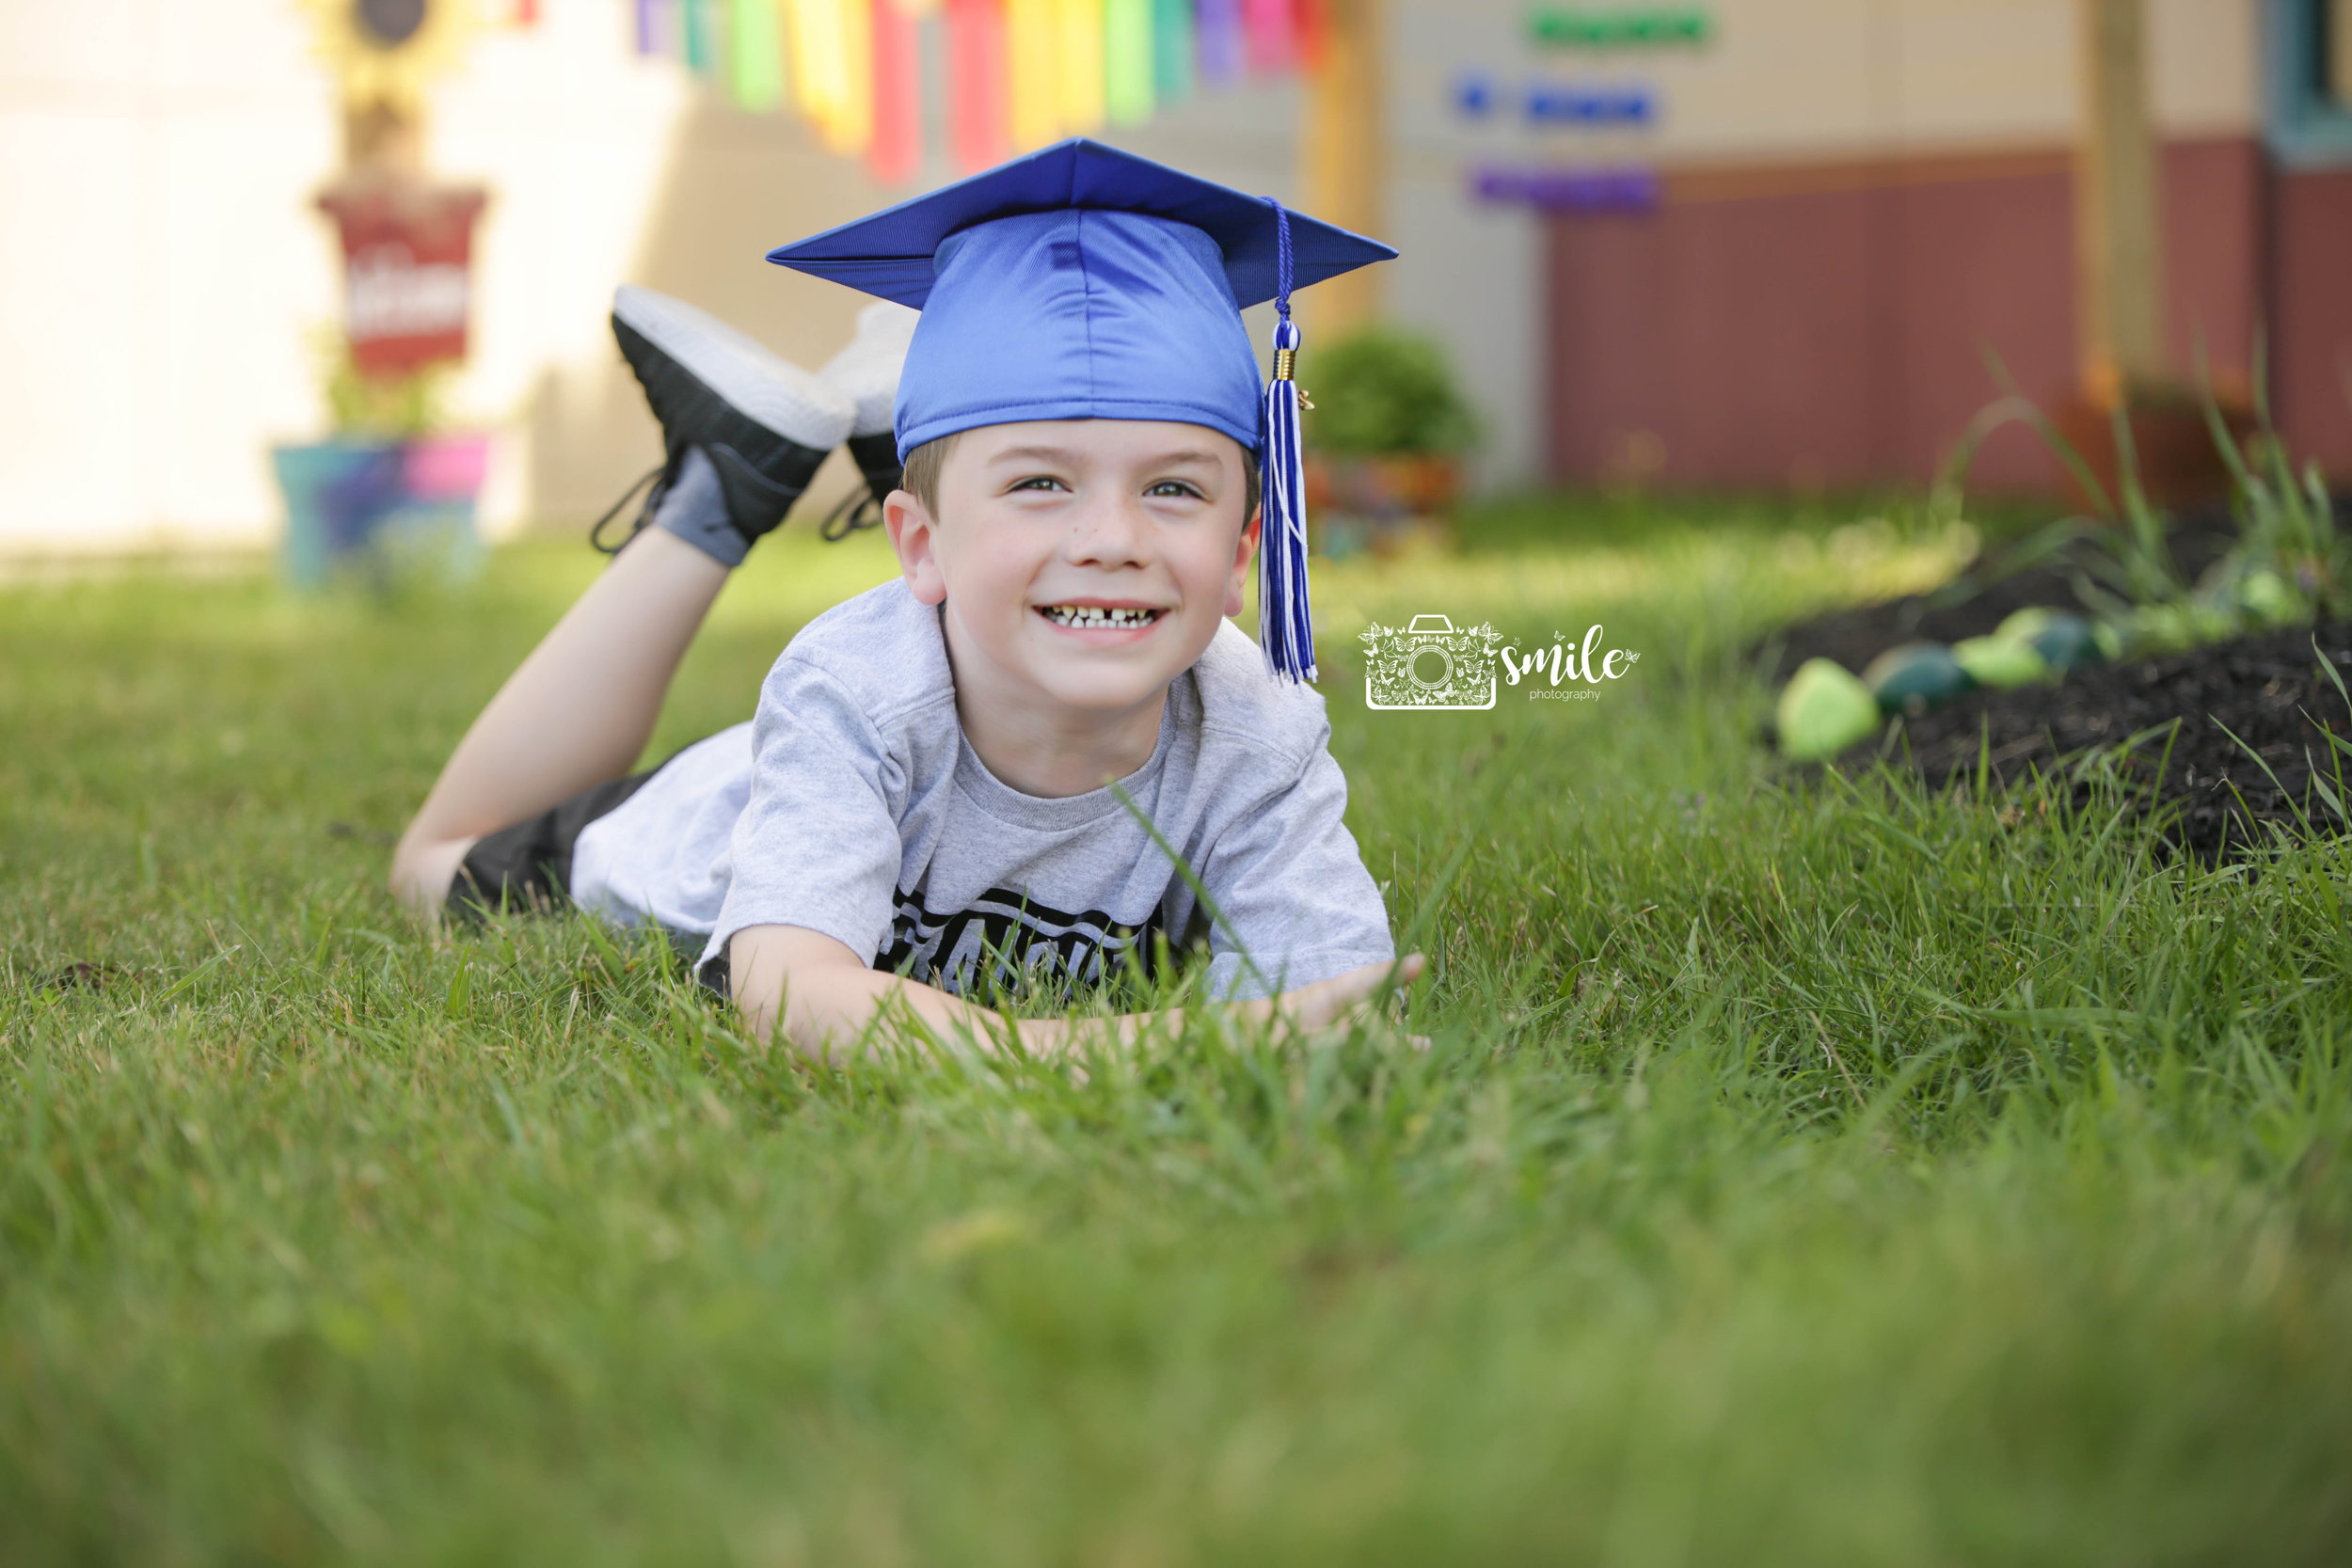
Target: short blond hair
(925,463)
(923,468)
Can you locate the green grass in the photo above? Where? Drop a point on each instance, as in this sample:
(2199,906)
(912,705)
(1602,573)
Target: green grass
(1802,1173)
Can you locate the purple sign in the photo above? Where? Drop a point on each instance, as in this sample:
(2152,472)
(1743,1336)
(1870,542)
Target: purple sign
(1567,190)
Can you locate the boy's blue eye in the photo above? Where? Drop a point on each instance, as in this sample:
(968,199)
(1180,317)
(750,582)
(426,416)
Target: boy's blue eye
(1174,487)
(1038,481)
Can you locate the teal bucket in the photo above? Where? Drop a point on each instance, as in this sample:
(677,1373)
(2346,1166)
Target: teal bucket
(382,510)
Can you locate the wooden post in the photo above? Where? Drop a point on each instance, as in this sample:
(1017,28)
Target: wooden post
(2339,53)
(2119,276)
(1344,157)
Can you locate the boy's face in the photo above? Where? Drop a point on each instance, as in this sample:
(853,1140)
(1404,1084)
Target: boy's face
(1084,563)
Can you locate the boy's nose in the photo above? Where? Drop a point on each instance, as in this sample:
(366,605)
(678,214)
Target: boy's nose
(1110,531)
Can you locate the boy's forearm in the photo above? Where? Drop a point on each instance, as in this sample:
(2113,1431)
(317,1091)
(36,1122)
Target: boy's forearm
(827,999)
(827,1005)
(826,1013)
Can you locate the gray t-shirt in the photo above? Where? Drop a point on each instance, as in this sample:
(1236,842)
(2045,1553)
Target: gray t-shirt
(853,804)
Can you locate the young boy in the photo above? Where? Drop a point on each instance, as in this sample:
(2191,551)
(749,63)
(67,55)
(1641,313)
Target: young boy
(942,784)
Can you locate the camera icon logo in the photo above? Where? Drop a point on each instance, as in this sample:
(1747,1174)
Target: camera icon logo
(1430,665)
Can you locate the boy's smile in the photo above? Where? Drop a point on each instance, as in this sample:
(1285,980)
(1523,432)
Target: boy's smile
(1094,615)
(1083,564)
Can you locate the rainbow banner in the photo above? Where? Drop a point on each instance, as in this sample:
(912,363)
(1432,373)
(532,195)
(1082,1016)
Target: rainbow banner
(896,151)
(1128,76)
(755,55)
(1221,39)
(1018,74)
(1079,66)
(1267,25)
(1171,49)
(694,30)
(979,133)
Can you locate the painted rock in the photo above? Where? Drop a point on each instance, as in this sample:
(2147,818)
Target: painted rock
(2271,600)
(1996,662)
(1916,677)
(2061,638)
(1823,709)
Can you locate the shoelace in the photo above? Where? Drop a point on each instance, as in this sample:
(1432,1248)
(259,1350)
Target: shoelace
(859,509)
(654,477)
(856,511)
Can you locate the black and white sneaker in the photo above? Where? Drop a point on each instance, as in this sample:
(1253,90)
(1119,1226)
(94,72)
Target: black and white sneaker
(762,423)
(867,372)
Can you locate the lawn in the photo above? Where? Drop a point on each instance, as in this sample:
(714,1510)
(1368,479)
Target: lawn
(1803,1171)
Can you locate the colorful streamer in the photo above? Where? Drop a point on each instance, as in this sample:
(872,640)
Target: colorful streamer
(855,129)
(977,129)
(830,45)
(1031,60)
(755,55)
(1222,43)
(1171,50)
(896,151)
(1271,43)
(1020,74)
(1311,29)
(1129,78)
(694,35)
(1079,42)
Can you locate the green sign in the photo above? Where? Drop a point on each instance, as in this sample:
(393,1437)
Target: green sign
(1638,29)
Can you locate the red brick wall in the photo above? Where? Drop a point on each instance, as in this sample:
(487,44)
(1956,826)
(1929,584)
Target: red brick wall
(1828,326)
(2311,330)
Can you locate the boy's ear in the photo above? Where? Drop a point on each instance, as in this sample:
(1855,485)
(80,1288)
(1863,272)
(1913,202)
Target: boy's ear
(913,533)
(1244,552)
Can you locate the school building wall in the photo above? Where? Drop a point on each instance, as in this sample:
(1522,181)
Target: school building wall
(1815,299)
(1835,326)
(1857,191)
(164,278)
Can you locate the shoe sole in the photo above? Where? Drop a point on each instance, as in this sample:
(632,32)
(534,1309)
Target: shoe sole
(744,375)
(866,370)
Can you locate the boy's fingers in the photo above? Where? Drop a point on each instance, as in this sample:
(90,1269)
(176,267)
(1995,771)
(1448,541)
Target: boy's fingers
(1315,1006)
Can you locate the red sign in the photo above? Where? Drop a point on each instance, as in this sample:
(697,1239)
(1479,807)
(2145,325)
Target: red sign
(408,264)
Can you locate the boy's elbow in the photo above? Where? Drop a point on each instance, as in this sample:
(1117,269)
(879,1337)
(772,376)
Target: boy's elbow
(421,874)
(779,978)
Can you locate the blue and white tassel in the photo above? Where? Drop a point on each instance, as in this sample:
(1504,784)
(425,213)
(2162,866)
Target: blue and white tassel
(1285,630)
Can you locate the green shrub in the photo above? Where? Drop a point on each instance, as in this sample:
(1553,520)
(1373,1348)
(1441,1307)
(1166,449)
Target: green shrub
(399,408)
(1385,390)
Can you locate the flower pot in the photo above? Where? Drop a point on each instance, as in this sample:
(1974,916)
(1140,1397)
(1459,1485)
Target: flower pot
(2172,445)
(381,509)
(1384,503)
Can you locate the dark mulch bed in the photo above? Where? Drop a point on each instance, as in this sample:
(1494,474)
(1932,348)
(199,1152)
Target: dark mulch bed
(2269,690)
(1976,602)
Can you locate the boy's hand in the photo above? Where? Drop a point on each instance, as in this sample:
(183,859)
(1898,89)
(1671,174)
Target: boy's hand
(1342,1001)
(824,996)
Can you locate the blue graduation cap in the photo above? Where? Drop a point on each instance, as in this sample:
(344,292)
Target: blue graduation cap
(1084,282)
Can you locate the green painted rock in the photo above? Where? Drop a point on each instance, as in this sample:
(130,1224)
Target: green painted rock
(2063,640)
(2158,628)
(1996,662)
(1824,710)
(2271,600)
(1917,678)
